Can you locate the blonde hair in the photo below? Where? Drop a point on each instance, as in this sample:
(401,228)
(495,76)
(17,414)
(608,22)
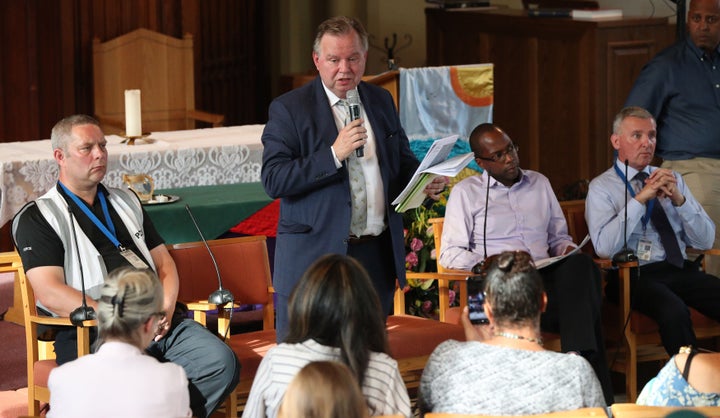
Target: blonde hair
(128,299)
(323,389)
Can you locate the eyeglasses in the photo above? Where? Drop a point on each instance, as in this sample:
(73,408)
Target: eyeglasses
(501,155)
(159,314)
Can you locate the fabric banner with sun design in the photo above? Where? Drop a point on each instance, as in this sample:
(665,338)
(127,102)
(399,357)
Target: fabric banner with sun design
(440,101)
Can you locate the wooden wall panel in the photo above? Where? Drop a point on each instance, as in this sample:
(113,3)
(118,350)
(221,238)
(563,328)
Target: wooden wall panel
(558,82)
(46,56)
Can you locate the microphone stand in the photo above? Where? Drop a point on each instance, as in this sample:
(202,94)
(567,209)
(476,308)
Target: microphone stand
(221,296)
(83,312)
(479,267)
(625,254)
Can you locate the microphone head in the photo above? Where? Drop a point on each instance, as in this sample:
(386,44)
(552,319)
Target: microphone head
(352,97)
(82,313)
(221,297)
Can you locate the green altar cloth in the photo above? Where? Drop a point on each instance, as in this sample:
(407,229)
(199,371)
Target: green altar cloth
(216,209)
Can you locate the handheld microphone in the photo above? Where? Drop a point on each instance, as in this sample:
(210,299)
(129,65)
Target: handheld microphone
(625,254)
(83,312)
(221,296)
(354,110)
(477,269)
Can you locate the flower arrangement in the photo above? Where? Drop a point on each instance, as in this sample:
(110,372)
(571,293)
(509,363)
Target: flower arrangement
(421,296)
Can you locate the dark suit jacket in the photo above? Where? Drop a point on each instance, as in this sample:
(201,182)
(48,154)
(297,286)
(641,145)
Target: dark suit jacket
(299,168)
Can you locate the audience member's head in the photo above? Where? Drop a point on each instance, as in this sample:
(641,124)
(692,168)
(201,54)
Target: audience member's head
(514,290)
(323,389)
(335,304)
(129,307)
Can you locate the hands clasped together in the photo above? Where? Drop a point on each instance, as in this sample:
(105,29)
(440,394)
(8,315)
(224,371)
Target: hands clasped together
(661,183)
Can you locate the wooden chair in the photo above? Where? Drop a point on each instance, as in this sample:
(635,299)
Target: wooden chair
(40,357)
(631,410)
(444,276)
(162,67)
(245,271)
(577,413)
(640,338)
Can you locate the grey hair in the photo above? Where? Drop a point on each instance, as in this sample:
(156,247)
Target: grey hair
(629,112)
(128,299)
(340,25)
(514,289)
(62,131)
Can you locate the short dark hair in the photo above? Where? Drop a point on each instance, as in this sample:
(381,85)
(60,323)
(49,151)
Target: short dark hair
(335,304)
(340,25)
(514,289)
(477,133)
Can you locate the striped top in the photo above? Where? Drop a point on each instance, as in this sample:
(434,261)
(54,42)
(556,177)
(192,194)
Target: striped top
(383,386)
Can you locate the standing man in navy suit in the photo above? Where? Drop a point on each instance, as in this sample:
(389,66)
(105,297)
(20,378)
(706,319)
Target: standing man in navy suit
(332,200)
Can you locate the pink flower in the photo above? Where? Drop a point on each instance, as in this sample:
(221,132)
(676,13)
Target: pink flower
(416,244)
(451,296)
(426,306)
(433,254)
(411,260)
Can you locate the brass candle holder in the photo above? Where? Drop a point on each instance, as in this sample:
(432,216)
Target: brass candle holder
(130,140)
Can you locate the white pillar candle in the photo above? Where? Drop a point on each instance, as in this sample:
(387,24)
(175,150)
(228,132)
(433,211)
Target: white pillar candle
(133,119)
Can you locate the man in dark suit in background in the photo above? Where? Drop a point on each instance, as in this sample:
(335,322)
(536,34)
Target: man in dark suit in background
(333,201)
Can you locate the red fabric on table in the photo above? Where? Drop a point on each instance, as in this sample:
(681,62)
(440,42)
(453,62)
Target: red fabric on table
(262,222)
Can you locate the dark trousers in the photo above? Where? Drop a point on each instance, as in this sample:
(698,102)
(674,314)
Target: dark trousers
(211,367)
(663,292)
(574,291)
(376,256)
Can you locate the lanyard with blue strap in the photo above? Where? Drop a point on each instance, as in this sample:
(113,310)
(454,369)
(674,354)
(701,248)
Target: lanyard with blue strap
(649,207)
(109,233)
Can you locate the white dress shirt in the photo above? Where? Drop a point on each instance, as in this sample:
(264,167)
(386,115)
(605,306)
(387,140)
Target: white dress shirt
(605,215)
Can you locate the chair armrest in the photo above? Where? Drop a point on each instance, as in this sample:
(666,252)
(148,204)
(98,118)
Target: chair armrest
(214,119)
(444,280)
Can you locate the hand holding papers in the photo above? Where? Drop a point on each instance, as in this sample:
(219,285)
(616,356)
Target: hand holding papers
(433,165)
(552,260)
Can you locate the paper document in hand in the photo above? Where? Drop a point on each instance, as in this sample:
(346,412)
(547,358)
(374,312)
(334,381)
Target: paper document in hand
(433,165)
(552,260)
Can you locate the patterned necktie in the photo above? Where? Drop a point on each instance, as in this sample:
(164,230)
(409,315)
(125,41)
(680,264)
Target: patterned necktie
(660,221)
(358,191)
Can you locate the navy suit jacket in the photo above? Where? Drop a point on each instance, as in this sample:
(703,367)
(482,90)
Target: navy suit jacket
(298,167)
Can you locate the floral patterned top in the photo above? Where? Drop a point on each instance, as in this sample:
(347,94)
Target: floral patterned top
(669,388)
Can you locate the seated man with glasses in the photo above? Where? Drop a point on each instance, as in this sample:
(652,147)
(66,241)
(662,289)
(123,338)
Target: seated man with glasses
(508,209)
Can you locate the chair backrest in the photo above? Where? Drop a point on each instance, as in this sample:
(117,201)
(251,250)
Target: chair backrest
(159,65)
(576,413)
(574,211)
(244,268)
(631,410)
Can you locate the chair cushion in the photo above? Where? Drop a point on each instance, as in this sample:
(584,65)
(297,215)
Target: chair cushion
(250,348)
(410,336)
